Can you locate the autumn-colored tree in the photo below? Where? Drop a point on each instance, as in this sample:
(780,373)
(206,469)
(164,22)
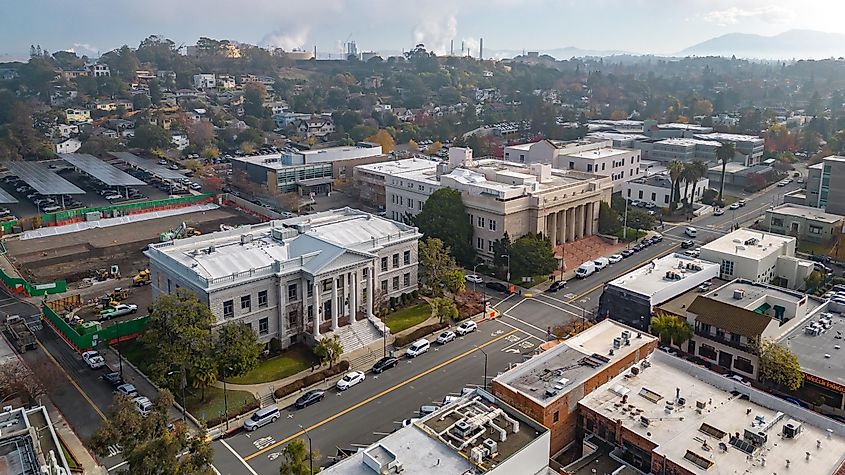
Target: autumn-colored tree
(618,114)
(210,151)
(413,146)
(383,138)
(248,148)
(434,148)
(201,133)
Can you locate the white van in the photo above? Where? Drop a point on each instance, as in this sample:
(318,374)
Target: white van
(601,263)
(417,348)
(262,417)
(585,270)
(691,232)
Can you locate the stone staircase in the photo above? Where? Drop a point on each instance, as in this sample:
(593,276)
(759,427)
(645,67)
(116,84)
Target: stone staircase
(589,248)
(358,335)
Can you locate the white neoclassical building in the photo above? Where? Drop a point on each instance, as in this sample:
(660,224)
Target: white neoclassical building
(297,278)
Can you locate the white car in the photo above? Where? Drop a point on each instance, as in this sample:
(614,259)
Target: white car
(693,252)
(734,206)
(93,359)
(409,421)
(114,196)
(614,258)
(350,379)
(718,212)
(473,278)
(445,337)
(468,326)
(127,390)
(143,405)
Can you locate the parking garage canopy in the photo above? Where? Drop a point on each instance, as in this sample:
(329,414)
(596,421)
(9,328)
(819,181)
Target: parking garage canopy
(42,179)
(101,170)
(148,165)
(6,198)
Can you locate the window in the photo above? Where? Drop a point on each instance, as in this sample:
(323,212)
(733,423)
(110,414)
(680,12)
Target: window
(168,286)
(641,194)
(384,285)
(246,302)
(396,283)
(228,309)
(479,243)
(727,268)
(396,260)
(406,257)
(264,326)
(293,317)
(743,364)
(735,338)
(815,229)
(707,351)
(420,205)
(705,328)
(384,264)
(410,203)
(666,199)
(602,166)
(262,299)
(489,246)
(406,279)
(492,225)
(589,167)
(310,288)
(778,222)
(629,192)
(571,165)
(292,293)
(481,221)
(420,187)
(556,416)
(326,284)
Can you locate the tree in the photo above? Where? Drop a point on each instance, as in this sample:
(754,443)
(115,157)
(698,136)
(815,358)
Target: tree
(201,134)
(179,334)
(455,281)
(17,380)
(236,349)
(296,460)
(205,374)
(676,168)
(814,281)
(780,366)
(435,262)
(149,445)
(210,151)
(445,309)
(695,171)
(444,217)
(501,249)
(671,329)
(329,350)
(140,102)
(434,148)
(413,146)
(725,153)
(383,138)
(148,137)
(608,219)
(531,255)
(254,96)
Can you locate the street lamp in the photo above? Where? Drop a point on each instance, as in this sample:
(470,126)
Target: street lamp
(509,266)
(182,383)
(226,399)
(485,365)
(310,451)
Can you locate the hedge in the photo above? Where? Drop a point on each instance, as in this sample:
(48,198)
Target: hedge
(233,413)
(312,379)
(415,335)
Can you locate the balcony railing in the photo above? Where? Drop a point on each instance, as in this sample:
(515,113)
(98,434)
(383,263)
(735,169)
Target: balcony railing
(724,341)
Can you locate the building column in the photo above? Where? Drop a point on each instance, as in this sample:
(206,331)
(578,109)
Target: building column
(316,306)
(551,228)
(588,219)
(335,303)
(347,306)
(354,300)
(579,222)
(570,224)
(282,310)
(561,226)
(371,278)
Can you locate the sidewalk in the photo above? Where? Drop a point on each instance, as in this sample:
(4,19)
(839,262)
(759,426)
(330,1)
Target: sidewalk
(72,442)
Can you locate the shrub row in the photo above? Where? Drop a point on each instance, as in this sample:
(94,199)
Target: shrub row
(415,335)
(233,413)
(311,379)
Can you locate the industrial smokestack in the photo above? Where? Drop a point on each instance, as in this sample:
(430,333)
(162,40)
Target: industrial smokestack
(315,52)
(462,47)
(451,47)
(481,48)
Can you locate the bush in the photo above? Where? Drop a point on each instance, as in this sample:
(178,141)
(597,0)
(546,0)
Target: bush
(233,412)
(709,196)
(392,302)
(403,340)
(838,280)
(415,295)
(275,346)
(311,379)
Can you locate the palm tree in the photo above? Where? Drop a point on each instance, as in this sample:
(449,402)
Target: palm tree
(676,167)
(671,329)
(725,153)
(697,171)
(205,374)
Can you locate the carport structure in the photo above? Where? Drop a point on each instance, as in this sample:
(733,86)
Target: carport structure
(102,171)
(43,180)
(149,166)
(6,198)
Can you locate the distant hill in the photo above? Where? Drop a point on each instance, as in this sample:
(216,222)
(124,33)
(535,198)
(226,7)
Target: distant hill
(797,44)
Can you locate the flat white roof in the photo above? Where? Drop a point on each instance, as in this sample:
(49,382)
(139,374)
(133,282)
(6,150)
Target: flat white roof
(730,167)
(808,212)
(729,137)
(688,142)
(651,278)
(522,146)
(701,441)
(760,243)
(398,167)
(600,153)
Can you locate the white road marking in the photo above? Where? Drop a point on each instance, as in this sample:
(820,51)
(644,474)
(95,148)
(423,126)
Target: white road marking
(520,329)
(116,466)
(237,456)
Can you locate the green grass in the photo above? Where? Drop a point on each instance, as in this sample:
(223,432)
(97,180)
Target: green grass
(72,463)
(213,404)
(632,235)
(135,352)
(814,248)
(408,317)
(293,360)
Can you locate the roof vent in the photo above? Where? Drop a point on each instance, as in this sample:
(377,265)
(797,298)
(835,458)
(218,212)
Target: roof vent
(739,294)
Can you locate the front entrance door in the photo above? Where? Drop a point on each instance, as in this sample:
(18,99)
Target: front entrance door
(725,359)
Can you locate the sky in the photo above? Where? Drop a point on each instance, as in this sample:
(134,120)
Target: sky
(94,27)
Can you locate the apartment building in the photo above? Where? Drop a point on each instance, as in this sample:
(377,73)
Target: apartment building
(100,70)
(293,279)
(204,81)
(370,179)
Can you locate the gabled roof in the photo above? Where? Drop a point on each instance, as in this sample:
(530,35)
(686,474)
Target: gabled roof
(330,255)
(729,317)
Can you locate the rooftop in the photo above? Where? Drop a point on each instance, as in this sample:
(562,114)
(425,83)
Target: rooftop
(616,136)
(27,441)
(447,440)
(729,137)
(817,350)
(672,274)
(688,142)
(694,416)
(553,373)
(730,167)
(679,126)
(748,243)
(680,304)
(398,167)
(599,153)
(807,212)
(835,158)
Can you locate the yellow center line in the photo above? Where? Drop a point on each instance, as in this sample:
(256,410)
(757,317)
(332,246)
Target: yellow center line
(78,388)
(601,284)
(373,398)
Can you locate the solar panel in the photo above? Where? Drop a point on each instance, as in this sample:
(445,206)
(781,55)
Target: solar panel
(148,165)
(5,197)
(42,179)
(100,170)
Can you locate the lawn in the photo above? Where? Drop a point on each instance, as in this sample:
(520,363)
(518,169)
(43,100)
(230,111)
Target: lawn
(293,360)
(213,405)
(135,352)
(408,317)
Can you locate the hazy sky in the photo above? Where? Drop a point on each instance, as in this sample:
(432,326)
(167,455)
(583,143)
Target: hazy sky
(644,26)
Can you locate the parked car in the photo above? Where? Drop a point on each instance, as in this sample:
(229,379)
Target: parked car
(739,379)
(445,337)
(693,252)
(385,364)
(118,310)
(734,206)
(51,208)
(691,231)
(741,203)
(162,162)
(627,253)
(497,286)
(657,238)
(93,359)
(311,397)
(473,278)
(687,244)
(409,421)
(601,263)
(127,390)
(557,285)
(262,417)
(417,348)
(585,270)
(613,259)
(114,379)
(635,203)
(143,405)
(466,327)
(350,379)
(427,409)
(718,212)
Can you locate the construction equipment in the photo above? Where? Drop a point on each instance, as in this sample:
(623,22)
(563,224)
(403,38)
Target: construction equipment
(142,278)
(21,336)
(119,294)
(182,231)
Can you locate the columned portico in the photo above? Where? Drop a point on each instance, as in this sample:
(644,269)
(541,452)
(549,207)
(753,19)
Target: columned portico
(317,308)
(551,227)
(570,224)
(579,222)
(371,281)
(561,226)
(336,304)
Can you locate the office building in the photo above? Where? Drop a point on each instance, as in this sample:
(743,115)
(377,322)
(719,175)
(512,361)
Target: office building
(307,275)
(548,386)
(759,257)
(29,444)
(632,298)
(750,146)
(684,150)
(818,192)
(370,179)
(657,189)
(476,434)
(805,223)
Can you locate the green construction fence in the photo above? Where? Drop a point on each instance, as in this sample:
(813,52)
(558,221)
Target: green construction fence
(75,215)
(86,337)
(22,286)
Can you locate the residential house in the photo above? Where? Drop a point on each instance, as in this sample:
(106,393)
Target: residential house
(63,145)
(74,116)
(204,81)
(100,70)
(316,126)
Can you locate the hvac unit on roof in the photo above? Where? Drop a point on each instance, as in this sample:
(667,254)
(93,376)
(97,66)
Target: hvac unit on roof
(739,294)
